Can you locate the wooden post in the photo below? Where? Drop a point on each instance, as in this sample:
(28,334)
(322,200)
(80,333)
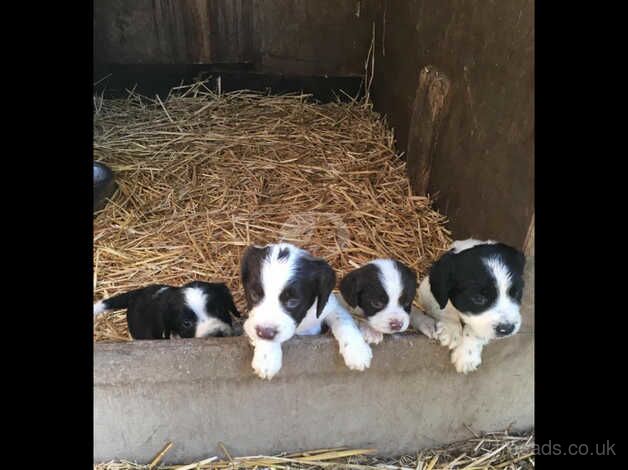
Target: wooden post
(431,104)
(528,244)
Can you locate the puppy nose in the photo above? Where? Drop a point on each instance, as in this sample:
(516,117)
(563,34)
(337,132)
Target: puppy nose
(395,325)
(266,332)
(504,329)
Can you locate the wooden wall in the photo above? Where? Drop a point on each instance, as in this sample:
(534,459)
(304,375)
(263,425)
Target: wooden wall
(456,80)
(298,37)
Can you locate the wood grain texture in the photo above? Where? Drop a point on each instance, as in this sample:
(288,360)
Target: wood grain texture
(431,104)
(296,37)
(483,166)
(150,32)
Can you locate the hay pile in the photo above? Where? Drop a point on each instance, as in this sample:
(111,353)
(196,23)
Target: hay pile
(490,451)
(201,176)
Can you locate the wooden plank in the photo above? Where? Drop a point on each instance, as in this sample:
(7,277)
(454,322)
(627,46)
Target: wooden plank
(151,32)
(430,107)
(296,37)
(182,28)
(528,244)
(482,167)
(312,37)
(126,32)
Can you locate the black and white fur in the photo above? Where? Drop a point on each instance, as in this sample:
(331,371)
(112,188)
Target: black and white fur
(382,291)
(195,310)
(290,292)
(474,293)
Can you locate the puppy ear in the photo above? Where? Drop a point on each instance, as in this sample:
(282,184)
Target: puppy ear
(233,309)
(250,265)
(168,317)
(229,304)
(408,279)
(226,303)
(325,281)
(516,259)
(441,279)
(350,287)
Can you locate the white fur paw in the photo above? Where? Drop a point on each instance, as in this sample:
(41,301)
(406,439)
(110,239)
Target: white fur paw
(266,360)
(370,334)
(423,323)
(466,358)
(449,333)
(356,353)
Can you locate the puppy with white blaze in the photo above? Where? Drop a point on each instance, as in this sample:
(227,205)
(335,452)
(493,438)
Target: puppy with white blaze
(474,293)
(289,292)
(195,310)
(382,291)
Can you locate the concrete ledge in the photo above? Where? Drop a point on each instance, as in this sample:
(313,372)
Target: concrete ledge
(199,392)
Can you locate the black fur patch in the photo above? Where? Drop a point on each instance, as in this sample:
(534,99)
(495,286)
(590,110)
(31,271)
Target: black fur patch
(219,300)
(158,311)
(465,279)
(251,275)
(362,288)
(284,253)
(313,280)
(409,281)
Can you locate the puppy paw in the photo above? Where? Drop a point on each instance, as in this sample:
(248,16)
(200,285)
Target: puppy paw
(266,360)
(356,353)
(370,334)
(466,358)
(423,323)
(449,333)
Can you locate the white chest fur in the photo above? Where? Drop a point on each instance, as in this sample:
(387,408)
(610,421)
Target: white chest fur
(310,325)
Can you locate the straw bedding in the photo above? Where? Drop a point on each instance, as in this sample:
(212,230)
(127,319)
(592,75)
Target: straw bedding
(202,175)
(491,451)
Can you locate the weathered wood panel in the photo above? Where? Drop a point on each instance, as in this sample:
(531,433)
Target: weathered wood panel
(431,104)
(297,37)
(312,37)
(232,36)
(528,244)
(483,163)
(151,31)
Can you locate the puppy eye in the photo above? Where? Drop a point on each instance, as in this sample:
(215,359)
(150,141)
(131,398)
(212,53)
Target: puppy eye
(187,324)
(292,303)
(255,295)
(514,292)
(478,299)
(377,304)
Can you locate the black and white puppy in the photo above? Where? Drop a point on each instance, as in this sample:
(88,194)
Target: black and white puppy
(195,310)
(382,291)
(290,292)
(474,293)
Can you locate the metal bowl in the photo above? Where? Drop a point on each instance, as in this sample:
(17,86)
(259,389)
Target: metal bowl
(104,185)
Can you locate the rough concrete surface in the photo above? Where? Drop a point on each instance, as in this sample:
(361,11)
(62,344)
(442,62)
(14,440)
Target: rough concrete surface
(196,393)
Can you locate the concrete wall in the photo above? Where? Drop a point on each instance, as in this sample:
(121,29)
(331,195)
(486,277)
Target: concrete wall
(199,392)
